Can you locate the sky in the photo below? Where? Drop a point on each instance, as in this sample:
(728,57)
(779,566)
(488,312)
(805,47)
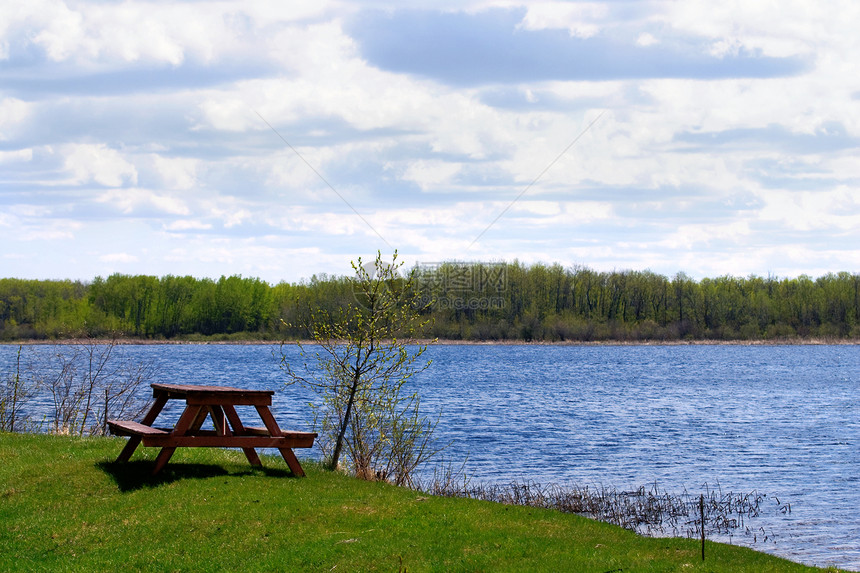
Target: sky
(283,140)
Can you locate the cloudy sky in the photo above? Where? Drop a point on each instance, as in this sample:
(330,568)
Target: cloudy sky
(283,139)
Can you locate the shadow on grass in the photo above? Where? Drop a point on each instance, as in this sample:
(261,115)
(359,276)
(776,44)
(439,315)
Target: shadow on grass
(134,475)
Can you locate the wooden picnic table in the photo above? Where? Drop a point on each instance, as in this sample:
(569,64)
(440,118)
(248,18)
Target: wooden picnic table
(217,403)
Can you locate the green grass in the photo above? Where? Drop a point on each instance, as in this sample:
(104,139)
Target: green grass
(65,506)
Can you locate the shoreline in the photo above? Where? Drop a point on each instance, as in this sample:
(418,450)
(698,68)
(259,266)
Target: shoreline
(450,342)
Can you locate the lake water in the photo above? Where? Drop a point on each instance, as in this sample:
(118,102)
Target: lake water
(780,420)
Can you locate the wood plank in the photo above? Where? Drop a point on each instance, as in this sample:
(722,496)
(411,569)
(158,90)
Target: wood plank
(255,431)
(187,388)
(233,417)
(286,453)
(188,417)
(239,429)
(154,410)
(298,440)
(219,395)
(219,420)
(269,420)
(292,461)
(162,459)
(132,428)
(198,421)
(148,419)
(258,431)
(221,399)
(129,448)
(252,457)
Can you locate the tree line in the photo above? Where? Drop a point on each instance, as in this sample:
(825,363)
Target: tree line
(465,301)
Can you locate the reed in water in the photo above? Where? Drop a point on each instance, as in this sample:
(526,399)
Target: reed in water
(646,510)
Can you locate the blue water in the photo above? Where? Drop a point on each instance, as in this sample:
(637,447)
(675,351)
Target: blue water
(780,420)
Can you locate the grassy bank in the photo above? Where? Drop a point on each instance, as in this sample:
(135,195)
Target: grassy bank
(65,507)
(240,340)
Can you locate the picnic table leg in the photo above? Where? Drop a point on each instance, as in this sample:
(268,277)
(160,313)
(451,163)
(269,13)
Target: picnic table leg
(148,419)
(239,429)
(130,446)
(292,461)
(199,418)
(163,457)
(219,420)
(275,430)
(186,420)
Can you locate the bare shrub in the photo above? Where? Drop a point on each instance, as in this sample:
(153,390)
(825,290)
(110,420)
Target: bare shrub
(89,382)
(15,392)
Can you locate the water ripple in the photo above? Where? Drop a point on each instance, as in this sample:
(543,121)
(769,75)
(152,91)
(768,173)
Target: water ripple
(784,421)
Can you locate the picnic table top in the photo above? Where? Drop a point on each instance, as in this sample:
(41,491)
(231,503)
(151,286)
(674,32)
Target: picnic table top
(221,395)
(179,390)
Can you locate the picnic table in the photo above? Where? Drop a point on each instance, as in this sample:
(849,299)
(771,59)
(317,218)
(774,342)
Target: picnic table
(217,403)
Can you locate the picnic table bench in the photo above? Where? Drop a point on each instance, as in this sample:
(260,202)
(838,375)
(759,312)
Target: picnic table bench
(217,403)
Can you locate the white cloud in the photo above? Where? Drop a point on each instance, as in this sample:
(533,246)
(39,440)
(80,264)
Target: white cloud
(118,258)
(335,83)
(785,29)
(676,175)
(31,211)
(430,174)
(48,231)
(550,214)
(17,155)
(230,211)
(13,113)
(544,208)
(176,173)
(580,19)
(99,163)
(113,33)
(223,112)
(147,32)
(99,34)
(285,170)
(419,228)
(339,224)
(645,39)
(187,225)
(688,237)
(257,257)
(836,209)
(134,199)
(62,32)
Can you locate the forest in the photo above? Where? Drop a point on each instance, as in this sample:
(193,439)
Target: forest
(466,301)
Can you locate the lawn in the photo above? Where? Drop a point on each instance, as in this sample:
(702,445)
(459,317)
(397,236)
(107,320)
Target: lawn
(65,506)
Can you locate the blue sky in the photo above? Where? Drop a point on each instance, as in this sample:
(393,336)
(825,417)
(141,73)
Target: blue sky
(135,137)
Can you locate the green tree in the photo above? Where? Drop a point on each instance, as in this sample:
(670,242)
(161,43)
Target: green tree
(364,356)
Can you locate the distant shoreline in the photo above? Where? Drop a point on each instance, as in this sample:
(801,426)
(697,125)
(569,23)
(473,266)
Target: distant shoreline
(447,342)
